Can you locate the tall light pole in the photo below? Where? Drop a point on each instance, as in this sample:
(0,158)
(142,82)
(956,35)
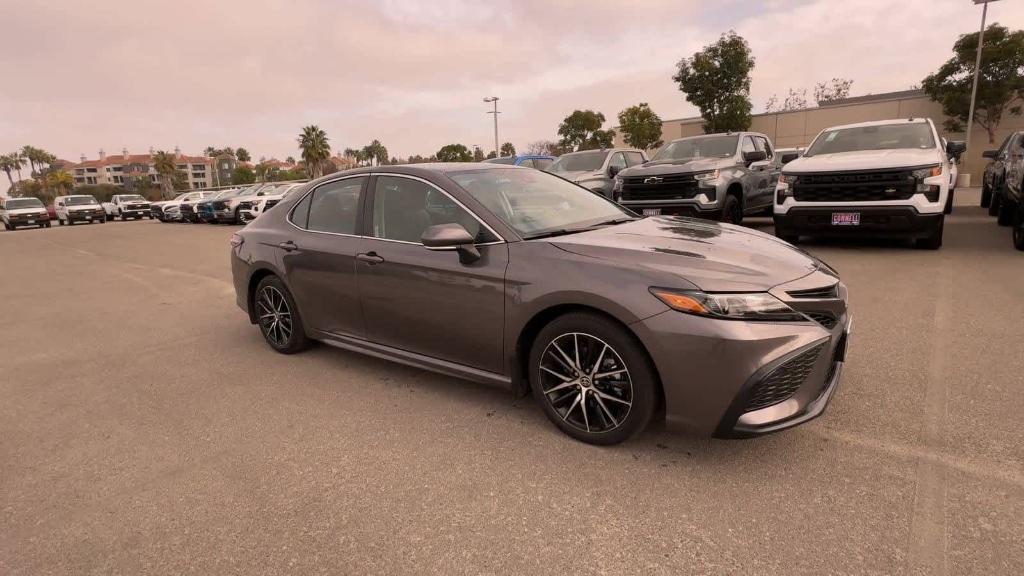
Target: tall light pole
(497,149)
(977,68)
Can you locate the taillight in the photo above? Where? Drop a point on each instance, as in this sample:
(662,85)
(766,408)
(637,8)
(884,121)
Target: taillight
(236,240)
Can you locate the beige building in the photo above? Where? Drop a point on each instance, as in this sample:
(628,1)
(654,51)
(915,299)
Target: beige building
(116,169)
(799,127)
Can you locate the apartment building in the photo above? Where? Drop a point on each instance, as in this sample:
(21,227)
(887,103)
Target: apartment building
(120,168)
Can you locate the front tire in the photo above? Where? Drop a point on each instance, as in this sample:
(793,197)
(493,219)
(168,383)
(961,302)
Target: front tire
(594,381)
(1018,229)
(1007,208)
(933,242)
(949,203)
(994,202)
(732,211)
(278,317)
(986,195)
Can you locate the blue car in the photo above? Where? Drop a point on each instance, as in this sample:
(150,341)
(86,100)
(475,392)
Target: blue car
(537,161)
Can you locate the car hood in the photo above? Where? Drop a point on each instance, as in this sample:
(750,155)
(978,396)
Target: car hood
(37,210)
(580,175)
(657,168)
(713,256)
(864,160)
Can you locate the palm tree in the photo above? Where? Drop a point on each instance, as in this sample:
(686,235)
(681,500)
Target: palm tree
(60,180)
(19,160)
(315,148)
(242,155)
(165,165)
(7,164)
(261,171)
(30,153)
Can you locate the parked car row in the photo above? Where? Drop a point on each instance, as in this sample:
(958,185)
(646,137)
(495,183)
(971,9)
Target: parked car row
(1002,185)
(232,206)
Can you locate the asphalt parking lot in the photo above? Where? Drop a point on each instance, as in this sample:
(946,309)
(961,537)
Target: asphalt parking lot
(146,428)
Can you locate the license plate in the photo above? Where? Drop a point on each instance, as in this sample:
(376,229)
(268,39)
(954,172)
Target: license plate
(31,222)
(652,211)
(846,218)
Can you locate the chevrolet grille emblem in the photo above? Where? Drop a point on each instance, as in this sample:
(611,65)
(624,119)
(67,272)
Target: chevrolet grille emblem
(653,180)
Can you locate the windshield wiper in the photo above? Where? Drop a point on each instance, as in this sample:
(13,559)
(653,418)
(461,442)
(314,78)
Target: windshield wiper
(559,232)
(612,222)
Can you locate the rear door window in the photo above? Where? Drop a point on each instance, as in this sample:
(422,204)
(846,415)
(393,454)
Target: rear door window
(334,206)
(634,158)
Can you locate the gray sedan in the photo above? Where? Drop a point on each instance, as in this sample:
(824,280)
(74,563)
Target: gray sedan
(512,276)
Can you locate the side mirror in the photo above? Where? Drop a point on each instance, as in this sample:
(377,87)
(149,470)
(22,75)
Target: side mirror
(755,156)
(451,237)
(614,170)
(789,157)
(955,149)
(993,154)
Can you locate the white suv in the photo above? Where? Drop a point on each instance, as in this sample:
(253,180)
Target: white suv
(889,178)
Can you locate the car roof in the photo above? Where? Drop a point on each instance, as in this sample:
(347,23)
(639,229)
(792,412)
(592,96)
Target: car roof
(880,123)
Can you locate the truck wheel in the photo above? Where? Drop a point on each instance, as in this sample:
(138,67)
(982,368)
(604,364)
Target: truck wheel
(7,226)
(732,212)
(933,242)
(993,205)
(986,195)
(1007,208)
(47,224)
(60,221)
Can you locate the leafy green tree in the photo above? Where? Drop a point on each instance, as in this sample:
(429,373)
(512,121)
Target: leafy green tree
(491,154)
(290,160)
(1000,80)
(166,166)
(834,89)
(641,127)
(242,155)
(717,81)
(60,181)
(243,175)
(454,153)
(315,148)
(375,152)
(262,171)
(478,154)
(507,149)
(581,130)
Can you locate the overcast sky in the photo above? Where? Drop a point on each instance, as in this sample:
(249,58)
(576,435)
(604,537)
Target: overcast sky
(80,76)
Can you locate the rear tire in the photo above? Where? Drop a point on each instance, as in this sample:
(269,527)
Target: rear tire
(993,205)
(1018,229)
(613,379)
(933,242)
(1007,209)
(732,211)
(278,317)
(986,195)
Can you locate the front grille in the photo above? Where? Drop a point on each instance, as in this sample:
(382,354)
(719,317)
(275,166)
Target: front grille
(666,187)
(156,210)
(137,207)
(187,209)
(872,186)
(270,204)
(220,205)
(824,318)
(824,292)
(244,205)
(784,381)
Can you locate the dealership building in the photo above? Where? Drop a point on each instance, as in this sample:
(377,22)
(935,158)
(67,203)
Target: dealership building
(798,127)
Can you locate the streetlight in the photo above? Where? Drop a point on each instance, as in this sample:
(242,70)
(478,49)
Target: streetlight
(977,67)
(497,151)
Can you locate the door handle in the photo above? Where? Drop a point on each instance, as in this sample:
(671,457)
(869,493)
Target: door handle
(370,258)
(288,246)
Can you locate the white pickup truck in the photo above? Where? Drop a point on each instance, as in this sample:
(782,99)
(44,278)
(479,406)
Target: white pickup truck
(127,206)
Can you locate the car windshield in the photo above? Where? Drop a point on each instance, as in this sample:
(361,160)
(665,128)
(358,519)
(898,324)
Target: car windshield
(132,198)
(229,193)
(269,190)
(884,137)
(579,162)
(504,160)
(80,200)
(699,147)
(537,204)
(16,203)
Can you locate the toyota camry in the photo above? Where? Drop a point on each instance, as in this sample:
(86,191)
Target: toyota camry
(507,275)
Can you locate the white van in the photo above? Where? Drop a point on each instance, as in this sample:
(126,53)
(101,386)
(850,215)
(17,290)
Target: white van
(78,208)
(28,211)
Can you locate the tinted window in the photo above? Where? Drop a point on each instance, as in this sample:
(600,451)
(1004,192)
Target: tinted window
(404,208)
(699,147)
(634,158)
(579,162)
(916,135)
(748,145)
(767,146)
(542,163)
(334,207)
(17,203)
(618,161)
(300,214)
(527,163)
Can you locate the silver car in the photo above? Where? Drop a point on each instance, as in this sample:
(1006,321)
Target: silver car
(595,170)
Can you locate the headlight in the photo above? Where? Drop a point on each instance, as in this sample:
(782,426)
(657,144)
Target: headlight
(757,306)
(787,179)
(928,172)
(709,175)
(930,191)
(617,186)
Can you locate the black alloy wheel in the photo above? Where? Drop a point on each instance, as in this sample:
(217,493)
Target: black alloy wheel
(278,317)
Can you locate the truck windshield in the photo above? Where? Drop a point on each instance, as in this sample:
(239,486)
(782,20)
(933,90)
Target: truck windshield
(131,198)
(699,147)
(16,203)
(885,137)
(579,162)
(80,200)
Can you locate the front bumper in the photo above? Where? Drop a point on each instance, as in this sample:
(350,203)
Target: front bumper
(735,379)
(134,213)
(86,217)
(225,215)
(19,220)
(876,221)
(676,208)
